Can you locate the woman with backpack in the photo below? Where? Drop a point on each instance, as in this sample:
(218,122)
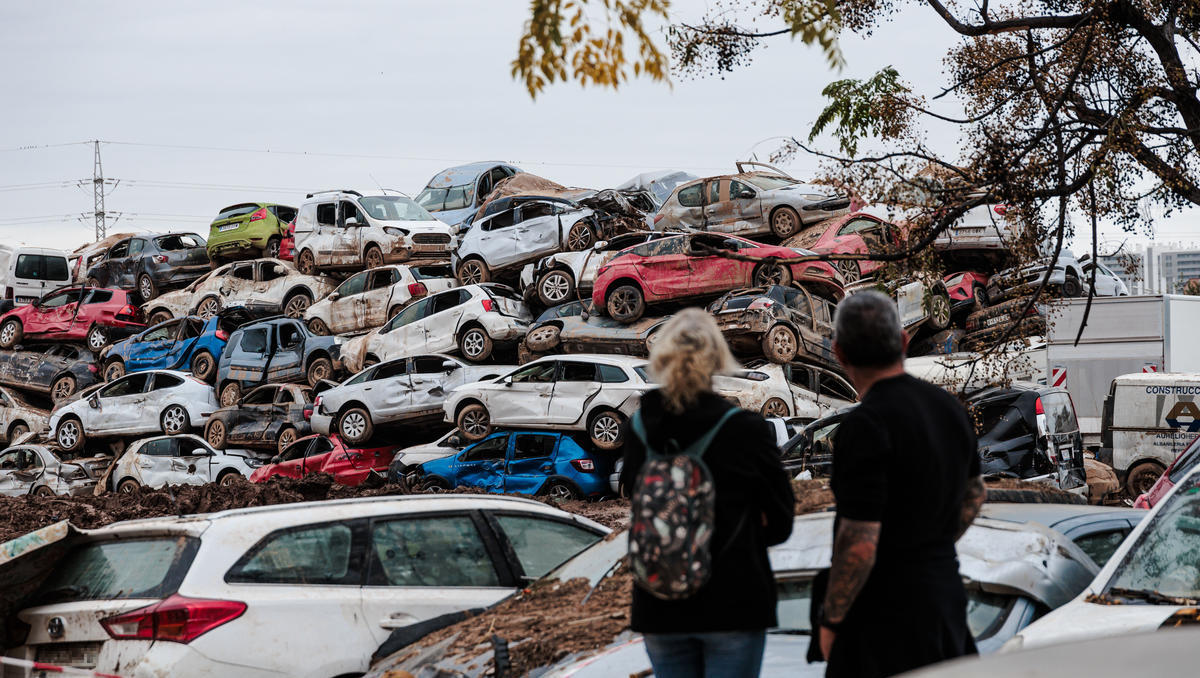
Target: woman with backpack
(709,496)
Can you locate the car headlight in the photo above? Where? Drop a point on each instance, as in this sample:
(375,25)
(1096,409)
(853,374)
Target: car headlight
(816,197)
(392,230)
(255,463)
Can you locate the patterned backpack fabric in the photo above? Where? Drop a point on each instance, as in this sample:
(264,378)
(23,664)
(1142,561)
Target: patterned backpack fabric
(674,510)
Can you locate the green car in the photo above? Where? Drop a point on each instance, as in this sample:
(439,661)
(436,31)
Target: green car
(248,230)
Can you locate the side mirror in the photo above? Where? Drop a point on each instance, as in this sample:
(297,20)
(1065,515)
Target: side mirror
(600,244)
(352,221)
(334,296)
(454,441)
(449,365)
(508,381)
(746,193)
(94,402)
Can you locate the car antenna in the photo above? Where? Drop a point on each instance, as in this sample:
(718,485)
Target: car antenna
(381,188)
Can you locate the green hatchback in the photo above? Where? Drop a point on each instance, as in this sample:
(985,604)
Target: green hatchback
(248,230)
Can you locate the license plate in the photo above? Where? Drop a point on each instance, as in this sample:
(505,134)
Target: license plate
(75,655)
(26,300)
(227,227)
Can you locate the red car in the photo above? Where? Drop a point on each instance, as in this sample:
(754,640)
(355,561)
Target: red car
(967,290)
(857,233)
(676,268)
(287,246)
(94,314)
(326,454)
(1185,462)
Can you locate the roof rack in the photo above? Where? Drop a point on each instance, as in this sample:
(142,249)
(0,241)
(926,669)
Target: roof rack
(335,190)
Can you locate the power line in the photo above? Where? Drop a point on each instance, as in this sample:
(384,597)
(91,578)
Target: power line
(32,147)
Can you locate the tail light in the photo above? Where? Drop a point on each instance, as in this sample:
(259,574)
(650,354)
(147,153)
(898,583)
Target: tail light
(316,405)
(657,218)
(1000,209)
(160,258)
(1037,407)
(417,289)
(176,619)
(221,334)
(585,465)
(489,305)
(308,413)
(260,214)
(93,369)
(129,312)
(760,304)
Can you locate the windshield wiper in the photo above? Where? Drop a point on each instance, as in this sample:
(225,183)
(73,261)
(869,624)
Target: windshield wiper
(1152,597)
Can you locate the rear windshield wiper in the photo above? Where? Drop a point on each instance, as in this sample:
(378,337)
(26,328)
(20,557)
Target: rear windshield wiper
(1152,597)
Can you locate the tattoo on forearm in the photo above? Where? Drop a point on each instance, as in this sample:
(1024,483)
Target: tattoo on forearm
(972,502)
(854,548)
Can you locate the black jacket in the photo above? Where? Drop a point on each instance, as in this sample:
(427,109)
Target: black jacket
(754,510)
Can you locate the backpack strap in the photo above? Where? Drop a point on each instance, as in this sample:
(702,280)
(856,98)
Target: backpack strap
(698,448)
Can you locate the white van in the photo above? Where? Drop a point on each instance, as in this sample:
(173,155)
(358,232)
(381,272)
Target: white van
(1148,419)
(28,273)
(348,230)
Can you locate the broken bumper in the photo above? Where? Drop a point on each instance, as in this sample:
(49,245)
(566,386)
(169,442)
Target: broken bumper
(321,423)
(744,322)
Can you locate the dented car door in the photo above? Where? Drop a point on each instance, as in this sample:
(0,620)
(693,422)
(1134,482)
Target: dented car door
(539,230)
(377,297)
(253,415)
(431,381)
(575,385)
(524,396)
(153,346)
(498,242)
(346,313)
(17,471)
(122,405)
(441,320)
(287,364)
(389,392)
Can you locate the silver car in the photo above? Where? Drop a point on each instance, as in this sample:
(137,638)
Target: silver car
(402,390)
(564,276)
(36,469)
(180,460)
(520,231)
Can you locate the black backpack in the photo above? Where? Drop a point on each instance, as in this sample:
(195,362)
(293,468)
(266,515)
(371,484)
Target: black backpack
(674,511)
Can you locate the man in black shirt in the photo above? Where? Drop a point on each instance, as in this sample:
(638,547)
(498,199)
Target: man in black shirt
(907,485)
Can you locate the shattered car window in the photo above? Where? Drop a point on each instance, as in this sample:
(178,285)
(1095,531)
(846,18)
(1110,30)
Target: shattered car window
(441,551)
(1166,558)
(394,208)
(126,568)
(490,449)
(542,545)
(179,241)
(998,421)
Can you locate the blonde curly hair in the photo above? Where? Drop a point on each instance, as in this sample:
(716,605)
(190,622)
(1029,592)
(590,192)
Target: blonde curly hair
(687,352)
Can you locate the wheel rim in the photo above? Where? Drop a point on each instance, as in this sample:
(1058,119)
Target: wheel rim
(62,389)
(555,287)
(216,433)
(849,270)
(306,261)
(229,397)
(784,223)
(475,423)
(770,275)
(17,432)
(782,342)
(287,437)
(6,334)
(354,424)
(579,237)
(296,306)
(229,479)
(114,371)
(542,335)
(472,274)
(207,308)
(96,339)
(374,258)
(319,372)
(473,343)
(606,428)
(940,311)
(775,408)
(318,327)
(68,434)
(147,288)
(203,366)
(173,419)
(273,249)
(624,301)
(559,492)
(126,488)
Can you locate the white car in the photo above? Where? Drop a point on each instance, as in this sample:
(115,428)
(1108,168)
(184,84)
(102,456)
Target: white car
(179,460)
(18,417)
(565,276)
(400,390)
(410,457)
(143,402)
(468,320)
(36,469)
(1152,582)
(349,230)
(794,390)
(371,298)
(263,286)
(521,230)
(592,393)
(306,590)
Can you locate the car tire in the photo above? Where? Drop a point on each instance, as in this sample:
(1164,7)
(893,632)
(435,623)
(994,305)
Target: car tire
(230,478)
(580,237)
(216,434)
(981,298)
(295,305)
(785,222)
(939,311)
(475,344)
(147,290)
(542,339)
(524,355)
(318,369)
(775,407)
(69,434)
(354,426)
(93,282)
(766,275)
(43,491)
(626,304)
(62,388)
(208,307)
(174,420)
(369,361)
(306,263)
(604,429)
(373,257)
(780,344)
(17,430)
(394,311)
(474,422)
(204,366)
(271,251)
(850,270)
(473,272)
(1142,477)
(1071,286)
(557,490)
(318,326)
(114,370)
(231,392)
(11,333)
(555,287)
(128,486)
(158,318)
(435,484)
(287,436)
(97,338)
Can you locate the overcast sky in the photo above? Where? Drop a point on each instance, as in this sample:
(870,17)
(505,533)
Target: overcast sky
(349,93)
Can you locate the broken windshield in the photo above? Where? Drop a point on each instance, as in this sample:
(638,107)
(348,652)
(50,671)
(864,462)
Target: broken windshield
(1165,561)
(394,208)
(768,182)
(452,198)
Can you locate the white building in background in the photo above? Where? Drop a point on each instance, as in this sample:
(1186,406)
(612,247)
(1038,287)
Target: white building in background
(1155,268)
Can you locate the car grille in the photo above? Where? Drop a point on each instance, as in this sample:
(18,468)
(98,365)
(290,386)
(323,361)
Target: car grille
(77,655)
(431,239)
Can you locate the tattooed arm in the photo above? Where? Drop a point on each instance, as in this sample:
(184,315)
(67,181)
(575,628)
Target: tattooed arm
(853,557)
(972,502)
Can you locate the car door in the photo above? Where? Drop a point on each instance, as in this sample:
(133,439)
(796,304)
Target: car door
(53,313)
(253,415)
(248,362)
(745,206)
(710,273)
(442,316)
(530,460)
(389,392)
(317,454)
(287,363)
(125,274)
(267,290)
(375,300)
(423,566)
(237,285)
(431,380)
(539,542)
(290,462)
(539,231)
(524,397)
(575,384)
(692,204)
(405,333)
(498,239)
(347,312)
(122,406)
(348,246)
(13,463)
(663,265)
(149,350)
(179,354)
(108,273)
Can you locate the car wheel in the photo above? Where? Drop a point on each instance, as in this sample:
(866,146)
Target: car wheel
(559,491)
(524,355)
(555,287)
(62,388)
(1142,477)
(159,317)
(174,420)
(473,272)
(849,269)
(1071,286)
(208,307)
(475,344)
(604,429)
(772,274)
(474,422)
(230,478)
(11,333)
(146,288)
(92,282)
(939,311)
(775,407)
(321,368)
(69,434)
(626,304)
(43,491)
(17,430)
(543,338)
(306,263)
(580,237)
(295,305)
(272,249)
(435,484)
(318,326)
(128,486)
(369,361)
(287,436)
(373,257)
(394,311)
(779,344)
(114,370)
(785,221)
(204,366)
(981,300)
(97,338)
(216,434)
(355,426)
(230,393)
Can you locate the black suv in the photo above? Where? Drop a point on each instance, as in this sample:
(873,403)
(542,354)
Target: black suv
(1029,431)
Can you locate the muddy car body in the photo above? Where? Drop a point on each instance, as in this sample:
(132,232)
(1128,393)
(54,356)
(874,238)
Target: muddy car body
(565,276)
(569,329)
(922,301)
(591,393)
(56,370)
(994,321)
(369,299)
(683,267)
(190,344)
(403,390)
(179,460)
(143,402)
(18,417)
(857,233)
(781,323)
(658,184)
(275,351)
(347,464)
(264,287)
(37,469)
(456,193)
(270,417)
(82,258)
(985,227)
(1065,277)
(521,230)
(150,264)
(89,314)
(794,390)
(752,202)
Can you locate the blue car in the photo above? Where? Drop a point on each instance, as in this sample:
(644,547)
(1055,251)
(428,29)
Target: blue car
(521,462)
(191,344)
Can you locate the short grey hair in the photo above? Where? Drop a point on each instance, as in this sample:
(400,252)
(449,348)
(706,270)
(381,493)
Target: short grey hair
(867,330)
